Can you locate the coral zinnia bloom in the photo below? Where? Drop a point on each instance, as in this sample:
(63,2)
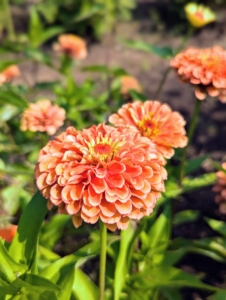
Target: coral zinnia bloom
(9,73)
(220,188)
(129,83)
(8,232)
(100,173)
(43,116)
(72,46)
(199,15)
(204,68)
(155,121)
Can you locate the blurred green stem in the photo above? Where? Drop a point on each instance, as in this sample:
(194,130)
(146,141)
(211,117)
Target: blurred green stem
(8,22)
(103,252)
(191,130)
(168,70)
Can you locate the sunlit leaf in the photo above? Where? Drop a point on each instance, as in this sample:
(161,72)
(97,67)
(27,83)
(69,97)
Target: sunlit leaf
(185,216)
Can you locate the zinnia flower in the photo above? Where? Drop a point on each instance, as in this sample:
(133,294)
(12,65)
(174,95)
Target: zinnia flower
(220,188)
(155,121)
(100,173)
(199,15)
(204,68)
(72,46)
(9,73)
(129,83)
(8,232)
(43,116)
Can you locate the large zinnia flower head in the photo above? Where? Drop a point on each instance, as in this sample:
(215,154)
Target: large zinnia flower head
(72,46)
(220,189)
(199,15)
(204,68)
(153,120)
(43,116)
(100,173)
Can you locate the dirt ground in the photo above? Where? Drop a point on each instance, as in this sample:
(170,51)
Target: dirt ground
(210,136)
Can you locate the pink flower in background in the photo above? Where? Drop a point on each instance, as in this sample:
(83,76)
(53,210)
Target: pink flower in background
(220,189)
(43,116)
(205,69)
(153,120)
(8,232)
(72,46)
(129,83)
(100,173)
(9,73)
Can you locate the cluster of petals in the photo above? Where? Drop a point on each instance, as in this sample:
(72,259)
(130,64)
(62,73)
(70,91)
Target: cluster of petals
(100,173)
(43,116)
(220,189)
(9,73)
(204,68)
(129,83)
(72,46)
(8,232)
(199,15)
(153,120)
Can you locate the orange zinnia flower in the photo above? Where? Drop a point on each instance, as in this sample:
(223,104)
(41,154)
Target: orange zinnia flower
(72,46)
(129,83)
(204,68)
(43,116)
(199,15)
(8,232)
(100,173)
(220,188)
(9,73)
(155,121)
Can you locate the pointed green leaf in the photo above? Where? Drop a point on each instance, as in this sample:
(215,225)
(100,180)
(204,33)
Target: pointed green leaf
(24,245)
(83,287)
(185,216)
(218,226)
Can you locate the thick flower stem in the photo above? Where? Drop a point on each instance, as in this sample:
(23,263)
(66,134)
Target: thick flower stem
(190,135)
(103,252)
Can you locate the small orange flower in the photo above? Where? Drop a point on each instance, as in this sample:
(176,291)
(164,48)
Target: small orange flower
(129,83)
(155,121)
(204,68)
(220,188)
(100,173)
(8,232)
(72,46)
(9,73)
(43,116)
(199,15)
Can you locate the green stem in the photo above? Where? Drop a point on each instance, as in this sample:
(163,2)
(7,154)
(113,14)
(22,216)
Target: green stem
(8,20)
(103,252)
(168,70)
(190,135)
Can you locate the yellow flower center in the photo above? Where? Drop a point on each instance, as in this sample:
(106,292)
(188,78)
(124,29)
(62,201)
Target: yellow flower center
(148,126)
(104,149)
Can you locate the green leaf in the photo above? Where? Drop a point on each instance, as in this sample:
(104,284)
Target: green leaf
(171,294)
(36,29)
(49,33)
(52,231)
(10,196)
(121,267)
(221,295)
(84,14)
(190,184)
(96,69)
(7,112)
(66,263)
(23,247)
(137,96)
(83,287)
(219,226)
(7,63)
(167,276)
(163,52)
(41,282)
(17,268)
(10,97)
(185,216)
(194,164)
(38,56)
(66,283)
